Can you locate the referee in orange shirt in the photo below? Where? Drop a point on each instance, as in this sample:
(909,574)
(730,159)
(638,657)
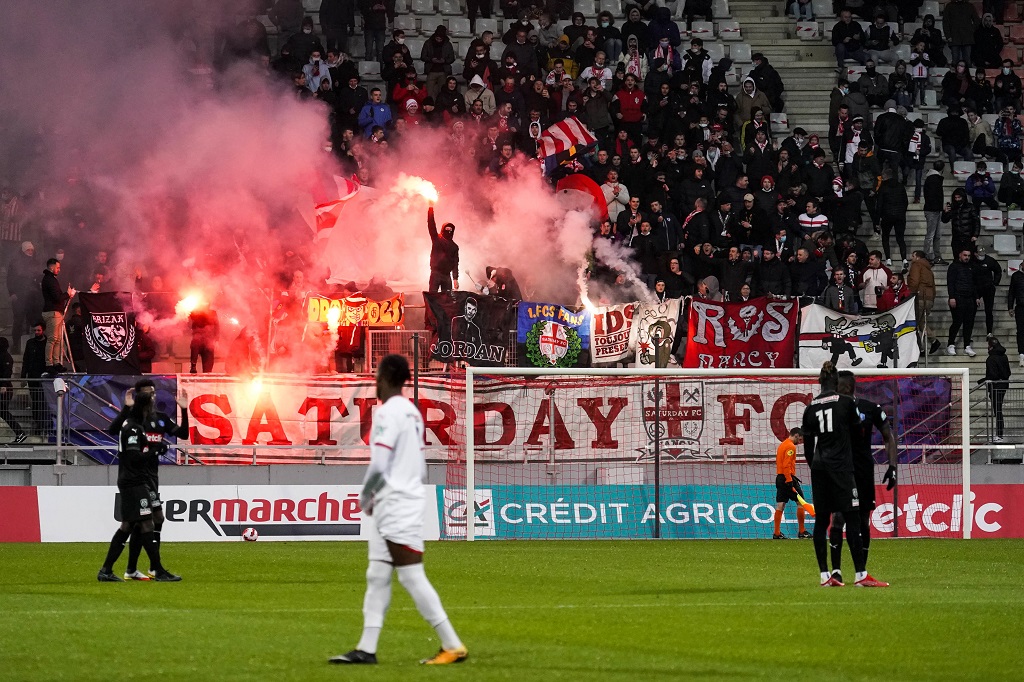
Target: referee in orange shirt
(787,485)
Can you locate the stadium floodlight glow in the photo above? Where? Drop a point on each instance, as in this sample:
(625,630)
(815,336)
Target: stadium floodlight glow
(684,453)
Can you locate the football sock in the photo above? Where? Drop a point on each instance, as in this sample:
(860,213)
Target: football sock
(835,543)
(157,525)
(821,545)
(865,533)
(861,575)
(116,547)
(153,550)
(778,521)
(375,604)
(414,580)
(134,550)
(800,514)
(825,576)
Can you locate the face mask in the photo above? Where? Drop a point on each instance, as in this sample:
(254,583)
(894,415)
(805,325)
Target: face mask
(480,56)
(845,91)
(401,41)
(871,70)
(1006,71)
(663,43)
(307,30)
(782,239)
(703,125)
(604,24)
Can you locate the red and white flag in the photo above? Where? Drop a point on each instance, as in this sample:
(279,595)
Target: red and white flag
(564,136)
(326,211)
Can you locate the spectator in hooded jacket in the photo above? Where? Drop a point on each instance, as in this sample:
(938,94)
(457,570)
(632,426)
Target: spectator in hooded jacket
(997,379)
(988,44)
(1015,303)
(963,219)
(981,188)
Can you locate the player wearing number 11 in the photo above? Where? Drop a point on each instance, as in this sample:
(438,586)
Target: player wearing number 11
(829,421)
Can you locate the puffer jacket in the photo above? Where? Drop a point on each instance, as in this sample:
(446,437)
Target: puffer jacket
(962,217)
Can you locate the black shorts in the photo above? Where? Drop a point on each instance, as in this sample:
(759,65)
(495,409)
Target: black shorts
(137,503)
(786,492)
(834,491)
(865,488)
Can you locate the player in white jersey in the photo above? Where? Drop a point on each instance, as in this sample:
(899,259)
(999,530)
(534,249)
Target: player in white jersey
(393,501)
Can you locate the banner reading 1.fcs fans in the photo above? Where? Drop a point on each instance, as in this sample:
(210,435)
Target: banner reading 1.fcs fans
(550,335)
(759,333)
(886,339)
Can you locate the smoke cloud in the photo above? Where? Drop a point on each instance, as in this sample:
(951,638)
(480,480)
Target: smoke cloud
(122,137)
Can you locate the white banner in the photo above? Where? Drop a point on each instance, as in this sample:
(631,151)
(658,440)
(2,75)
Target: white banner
(610,330)
(219,513)
(653,332)
(881,340)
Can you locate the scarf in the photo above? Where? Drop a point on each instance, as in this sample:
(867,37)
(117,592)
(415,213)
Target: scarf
(841,127)
(915,143)
(842,297)
(633,65)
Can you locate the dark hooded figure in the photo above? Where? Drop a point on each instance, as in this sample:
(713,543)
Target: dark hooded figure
(997,378)
(501,282)
(444,256)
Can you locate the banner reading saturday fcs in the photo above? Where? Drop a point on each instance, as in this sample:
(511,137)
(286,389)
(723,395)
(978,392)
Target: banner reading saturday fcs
(759,333)
(886,339)
(550,335)
(357,310)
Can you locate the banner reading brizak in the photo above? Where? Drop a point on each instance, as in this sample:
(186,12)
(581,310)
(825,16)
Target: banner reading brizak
(759,333)
(110,336)
(653,333)
(356,310)
(467,327)
(886,339)
(609,332)
(550,335)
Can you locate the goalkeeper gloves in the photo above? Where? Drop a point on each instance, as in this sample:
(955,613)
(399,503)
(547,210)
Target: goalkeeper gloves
(890,477)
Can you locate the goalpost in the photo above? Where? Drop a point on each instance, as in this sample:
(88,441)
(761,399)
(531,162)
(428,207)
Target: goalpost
(684,453)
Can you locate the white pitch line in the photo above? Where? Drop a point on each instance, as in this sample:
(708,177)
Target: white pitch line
(510,607)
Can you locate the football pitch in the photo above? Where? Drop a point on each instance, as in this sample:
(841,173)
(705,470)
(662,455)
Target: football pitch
(639,610)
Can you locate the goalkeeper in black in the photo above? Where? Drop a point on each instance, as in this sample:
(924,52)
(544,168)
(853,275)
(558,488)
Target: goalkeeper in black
(872,416)
(140,430)
(829,420)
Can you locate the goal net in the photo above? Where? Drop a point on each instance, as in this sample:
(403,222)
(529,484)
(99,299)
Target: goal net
(614,453)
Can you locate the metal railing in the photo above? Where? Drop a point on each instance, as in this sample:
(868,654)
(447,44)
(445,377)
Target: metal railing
(1002,420)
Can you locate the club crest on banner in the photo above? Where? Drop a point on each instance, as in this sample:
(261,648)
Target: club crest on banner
(555,343)
(110,336)
(678,421)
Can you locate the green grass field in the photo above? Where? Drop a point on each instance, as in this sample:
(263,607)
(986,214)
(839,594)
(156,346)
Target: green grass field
(526,610)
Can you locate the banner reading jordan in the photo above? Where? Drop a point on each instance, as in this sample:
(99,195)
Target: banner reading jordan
(469,327)
(881,340)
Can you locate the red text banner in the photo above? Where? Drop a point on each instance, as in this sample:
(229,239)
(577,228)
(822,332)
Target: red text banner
(760,333)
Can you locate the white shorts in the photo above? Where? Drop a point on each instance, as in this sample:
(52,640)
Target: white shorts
(396,520)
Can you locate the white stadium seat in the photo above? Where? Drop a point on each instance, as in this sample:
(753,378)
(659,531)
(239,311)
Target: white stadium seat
(822,8)
(369,69)
(423,7)
(585,7)
(613,6)
(720,8)
(716,51)
(807,30)
(992,220)
(729,30)
(1005,244)
(930,7)
(415,46)
(740,52)
(459,27)
(780,122)
(450,7)
(401,7)
(407,23)
(963,169)
(487,25)
(1015,220)
(931,98)
(428,24)
(705,30)
(995,169)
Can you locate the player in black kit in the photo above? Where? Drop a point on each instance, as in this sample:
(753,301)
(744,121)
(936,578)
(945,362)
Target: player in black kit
(140,430)
(871,416)
(828,422)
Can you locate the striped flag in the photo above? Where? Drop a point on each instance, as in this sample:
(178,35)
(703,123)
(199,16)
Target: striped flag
(327,211)
(563,141)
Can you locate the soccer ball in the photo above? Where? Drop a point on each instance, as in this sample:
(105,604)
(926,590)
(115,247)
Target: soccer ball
(250,535)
